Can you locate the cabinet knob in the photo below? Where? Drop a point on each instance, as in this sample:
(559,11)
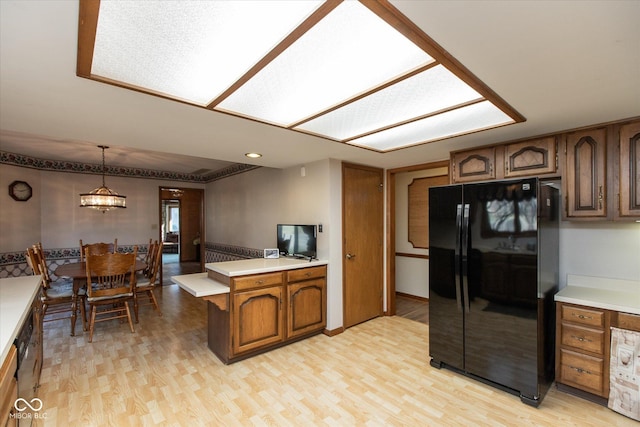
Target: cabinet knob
(582,316)
(581,339)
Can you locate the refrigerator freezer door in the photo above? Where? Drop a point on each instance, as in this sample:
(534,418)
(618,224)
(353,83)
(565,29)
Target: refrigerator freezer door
(445,304)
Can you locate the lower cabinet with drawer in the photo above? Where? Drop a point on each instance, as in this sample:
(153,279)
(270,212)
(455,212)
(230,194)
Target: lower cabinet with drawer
(8,389)
(583,345)
(582,350)
(266,311)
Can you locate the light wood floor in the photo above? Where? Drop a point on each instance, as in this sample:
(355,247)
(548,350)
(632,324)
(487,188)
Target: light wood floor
(374,374)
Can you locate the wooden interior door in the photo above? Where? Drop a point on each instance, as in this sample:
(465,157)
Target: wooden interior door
(191,202)
(191,219)
(362,218)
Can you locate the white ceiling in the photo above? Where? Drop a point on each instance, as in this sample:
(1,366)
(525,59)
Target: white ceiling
(561,64)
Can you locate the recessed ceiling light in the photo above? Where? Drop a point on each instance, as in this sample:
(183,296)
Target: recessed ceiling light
(356,72)
(253,155)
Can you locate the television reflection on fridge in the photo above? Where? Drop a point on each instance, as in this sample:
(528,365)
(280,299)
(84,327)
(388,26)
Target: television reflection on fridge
(296,240)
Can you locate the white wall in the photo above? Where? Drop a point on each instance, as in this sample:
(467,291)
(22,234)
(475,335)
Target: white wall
(54,216)
(243,210)
(601,249)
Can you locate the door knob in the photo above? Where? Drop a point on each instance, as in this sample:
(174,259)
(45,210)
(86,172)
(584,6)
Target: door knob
(349,256)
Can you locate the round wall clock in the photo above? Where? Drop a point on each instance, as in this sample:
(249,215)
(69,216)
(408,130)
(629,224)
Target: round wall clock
(20,191)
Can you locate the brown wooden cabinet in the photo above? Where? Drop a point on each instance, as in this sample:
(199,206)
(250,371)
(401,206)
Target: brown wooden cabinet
(306,293)
(535,157)
(8,388)
(257,319)
(599,167)
(531,158)
(473,165)
(629,170)
(264,311)
(582,348)
(584,183)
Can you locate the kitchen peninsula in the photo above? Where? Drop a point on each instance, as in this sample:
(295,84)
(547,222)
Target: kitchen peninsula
(255,305)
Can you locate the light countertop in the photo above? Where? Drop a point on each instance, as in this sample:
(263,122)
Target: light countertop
(260,265)
(600,292)
(16,296)
(199,285)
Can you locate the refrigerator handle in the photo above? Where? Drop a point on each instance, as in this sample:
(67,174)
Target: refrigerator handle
(457,256)
(465,259)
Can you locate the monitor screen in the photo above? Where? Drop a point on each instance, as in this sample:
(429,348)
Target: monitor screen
(297,240)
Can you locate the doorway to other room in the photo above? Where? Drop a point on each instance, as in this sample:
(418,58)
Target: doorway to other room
(181,214)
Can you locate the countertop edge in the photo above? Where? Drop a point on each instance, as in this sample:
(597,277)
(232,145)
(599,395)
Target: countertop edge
(8,338)
(600,298)
(244,267)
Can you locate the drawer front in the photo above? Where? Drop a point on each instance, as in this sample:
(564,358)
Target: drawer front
(629,321)
(257,281)
(582,371)
(583,316)
(583,338)
(306,273)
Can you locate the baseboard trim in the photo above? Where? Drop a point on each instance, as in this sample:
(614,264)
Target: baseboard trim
(416,297)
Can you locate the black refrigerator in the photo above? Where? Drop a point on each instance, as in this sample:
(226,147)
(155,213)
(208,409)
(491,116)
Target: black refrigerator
(493,271)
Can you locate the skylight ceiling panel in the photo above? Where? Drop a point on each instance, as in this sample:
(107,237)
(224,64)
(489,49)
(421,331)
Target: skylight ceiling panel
(189,50)
(429,91)
(349,52)
(472,118)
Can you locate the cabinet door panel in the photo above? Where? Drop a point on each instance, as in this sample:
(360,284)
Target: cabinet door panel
(307,307)
(585,174)
(630,170)
(474,165)
(529,158)
(257,319)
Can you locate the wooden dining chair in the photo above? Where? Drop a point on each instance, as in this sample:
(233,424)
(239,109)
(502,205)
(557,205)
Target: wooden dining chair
(111,279)
(98,248)
(151,253)
(147,282)
(55,299)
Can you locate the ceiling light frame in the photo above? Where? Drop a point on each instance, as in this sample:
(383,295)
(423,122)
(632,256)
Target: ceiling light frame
(252,95)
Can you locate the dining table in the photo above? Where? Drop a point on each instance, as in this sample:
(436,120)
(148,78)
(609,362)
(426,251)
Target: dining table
(78,272)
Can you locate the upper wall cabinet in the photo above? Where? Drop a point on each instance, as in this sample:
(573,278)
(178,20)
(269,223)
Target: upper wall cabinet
(629,170)
(584,182)
(473,165)
(529,158)
(535,157)
(599,167)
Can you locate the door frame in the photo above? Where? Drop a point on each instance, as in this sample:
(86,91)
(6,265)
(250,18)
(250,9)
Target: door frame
(202,217)
(391,227)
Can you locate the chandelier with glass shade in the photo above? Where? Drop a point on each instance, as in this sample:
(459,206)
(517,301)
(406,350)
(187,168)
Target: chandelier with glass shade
(102,198)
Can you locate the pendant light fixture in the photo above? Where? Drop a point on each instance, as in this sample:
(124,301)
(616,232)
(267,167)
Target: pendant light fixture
(102,198)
